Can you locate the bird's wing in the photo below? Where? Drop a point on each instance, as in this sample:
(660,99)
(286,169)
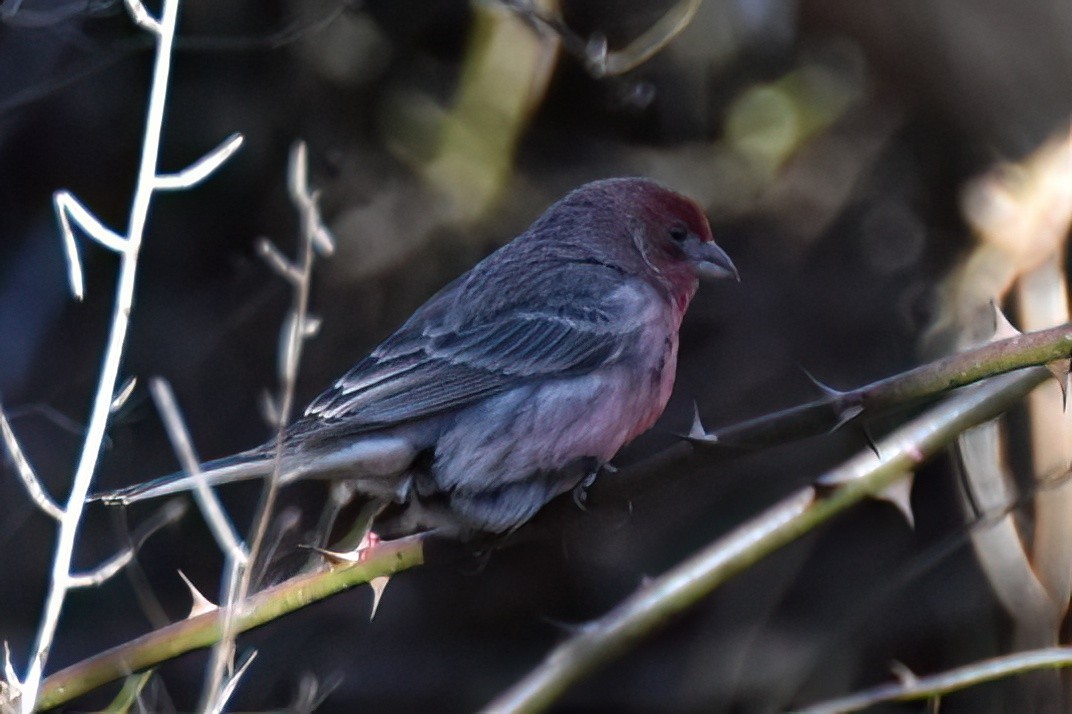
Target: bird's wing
(435,364)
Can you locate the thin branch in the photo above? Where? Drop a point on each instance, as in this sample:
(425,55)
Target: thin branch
(278,262)
(914,688)
(927,381)
(33,485)
(658,601)
(170,513)
(203,630)
(293,335)
(68,208)
(102,572)
(594,53)
(141,16)
(295,329)
(211,508)
(201,169)
(128,247)
(113,353)
(228,688)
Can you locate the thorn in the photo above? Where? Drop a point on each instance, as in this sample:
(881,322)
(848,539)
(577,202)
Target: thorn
(1003,329)
(697,434)
(845,415)
(904,675)
(569,628)
(870,439)
(334,557)
(378,585)
(899,494)
(369,541)
(823,387)
(846,406)
(201,604)
(1060,368)
(696,431)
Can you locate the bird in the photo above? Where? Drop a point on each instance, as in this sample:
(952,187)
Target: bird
(515,383)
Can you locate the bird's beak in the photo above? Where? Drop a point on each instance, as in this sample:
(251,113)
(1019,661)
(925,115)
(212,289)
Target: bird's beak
(711,261)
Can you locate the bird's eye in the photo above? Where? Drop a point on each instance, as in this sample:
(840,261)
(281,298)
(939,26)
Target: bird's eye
(679,233)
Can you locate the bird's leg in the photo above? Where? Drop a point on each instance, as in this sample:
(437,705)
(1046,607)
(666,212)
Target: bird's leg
(580,491)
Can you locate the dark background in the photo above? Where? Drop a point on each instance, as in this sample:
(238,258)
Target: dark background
(882,111)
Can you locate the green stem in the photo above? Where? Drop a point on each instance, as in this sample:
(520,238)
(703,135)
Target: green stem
(923,382)
(204,630)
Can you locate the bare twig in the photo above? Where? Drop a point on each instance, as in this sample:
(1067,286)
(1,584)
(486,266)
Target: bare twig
(658,601)
(217,688)
(296,329)
(201,169)
(915,688)
(926,381)
(598,59)
(211,508)
(170,513)
(127,246)
(314,239)
(231,683)
(34,487)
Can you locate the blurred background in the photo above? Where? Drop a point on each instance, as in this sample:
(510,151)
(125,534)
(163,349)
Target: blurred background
(856,158)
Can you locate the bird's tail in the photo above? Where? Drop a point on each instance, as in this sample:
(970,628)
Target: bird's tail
(239,467)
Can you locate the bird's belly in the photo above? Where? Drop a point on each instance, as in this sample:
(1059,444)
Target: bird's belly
(501,460)
(548,425)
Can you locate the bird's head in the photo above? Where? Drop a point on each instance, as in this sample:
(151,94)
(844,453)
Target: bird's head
(674,236)
(640,226)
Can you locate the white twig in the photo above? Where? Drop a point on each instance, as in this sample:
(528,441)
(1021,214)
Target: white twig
(278,262)
(232,682)
(22,465)
(214,694)
(201,169)
(141,16)
(102,572)
(170,513)
(68,208)
(216,688)
(211,508)
(127,246)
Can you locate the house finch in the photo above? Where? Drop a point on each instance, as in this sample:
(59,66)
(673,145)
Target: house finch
(516,382)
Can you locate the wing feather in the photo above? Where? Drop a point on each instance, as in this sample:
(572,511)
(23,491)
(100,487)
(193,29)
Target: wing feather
(434,364)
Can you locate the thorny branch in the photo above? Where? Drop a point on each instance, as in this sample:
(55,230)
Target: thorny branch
(912,688)
(658,601)
(923,382)
(203,630)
